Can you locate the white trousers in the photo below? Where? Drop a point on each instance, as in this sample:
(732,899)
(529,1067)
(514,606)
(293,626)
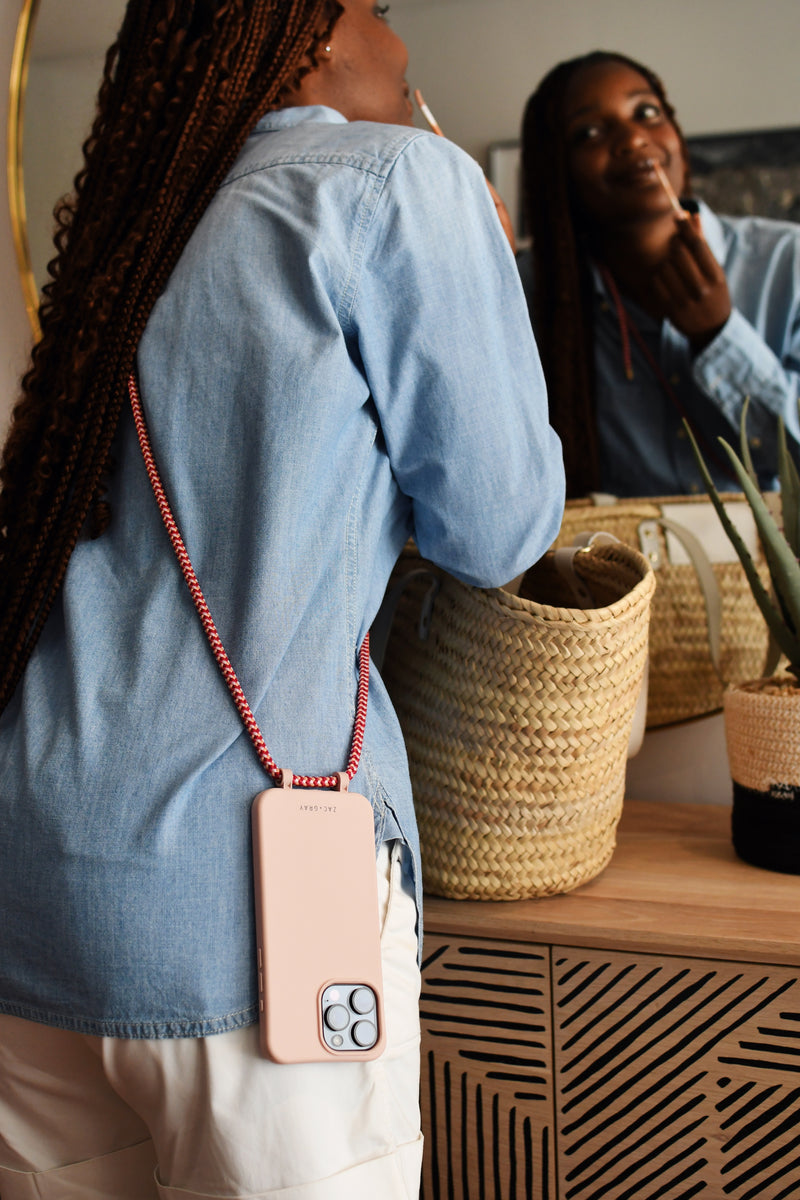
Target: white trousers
(91,1118)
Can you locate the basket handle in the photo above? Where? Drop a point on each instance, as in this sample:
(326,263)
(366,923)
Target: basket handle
(695,552)
(382,625)
(648,540)
(564,562)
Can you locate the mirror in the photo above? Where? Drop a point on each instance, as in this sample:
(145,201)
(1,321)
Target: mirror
(476,62)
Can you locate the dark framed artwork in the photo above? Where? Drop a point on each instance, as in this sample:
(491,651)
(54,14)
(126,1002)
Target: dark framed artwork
(751,173)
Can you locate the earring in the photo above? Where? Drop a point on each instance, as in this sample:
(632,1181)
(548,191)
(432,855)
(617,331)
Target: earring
(327,49)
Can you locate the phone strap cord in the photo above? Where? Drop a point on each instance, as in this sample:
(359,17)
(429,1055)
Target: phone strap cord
(218,650)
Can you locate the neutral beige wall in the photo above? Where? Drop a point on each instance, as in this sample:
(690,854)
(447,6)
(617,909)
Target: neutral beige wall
(727,64)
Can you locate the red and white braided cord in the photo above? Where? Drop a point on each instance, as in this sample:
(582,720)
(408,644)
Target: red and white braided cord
(235,688)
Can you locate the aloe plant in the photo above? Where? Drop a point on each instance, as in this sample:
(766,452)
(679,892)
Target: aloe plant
(781,547)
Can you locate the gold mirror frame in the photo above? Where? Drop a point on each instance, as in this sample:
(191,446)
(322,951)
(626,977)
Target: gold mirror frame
(16,183)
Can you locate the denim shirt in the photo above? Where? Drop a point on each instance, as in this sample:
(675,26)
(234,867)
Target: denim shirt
(644,450)
(341,359)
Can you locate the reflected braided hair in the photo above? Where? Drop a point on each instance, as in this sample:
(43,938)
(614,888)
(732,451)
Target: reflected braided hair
(562,298)
(182,87)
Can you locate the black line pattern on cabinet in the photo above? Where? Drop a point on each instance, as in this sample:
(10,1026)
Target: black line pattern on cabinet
(675,1078)
(487,1076)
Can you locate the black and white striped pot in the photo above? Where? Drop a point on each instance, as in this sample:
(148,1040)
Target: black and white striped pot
(762,731)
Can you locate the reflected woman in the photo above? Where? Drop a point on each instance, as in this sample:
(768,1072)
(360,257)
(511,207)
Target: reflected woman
(644,317)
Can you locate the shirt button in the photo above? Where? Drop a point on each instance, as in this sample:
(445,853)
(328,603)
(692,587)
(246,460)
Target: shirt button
(695,488)
(755,442)
(675,379)
(681,432)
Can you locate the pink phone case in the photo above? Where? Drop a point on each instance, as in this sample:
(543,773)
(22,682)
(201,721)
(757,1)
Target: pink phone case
(317,925)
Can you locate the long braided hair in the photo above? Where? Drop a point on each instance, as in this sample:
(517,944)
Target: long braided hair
(562,297)
(182,87)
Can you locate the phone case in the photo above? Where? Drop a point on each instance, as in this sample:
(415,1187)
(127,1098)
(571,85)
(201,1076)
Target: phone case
(317,925)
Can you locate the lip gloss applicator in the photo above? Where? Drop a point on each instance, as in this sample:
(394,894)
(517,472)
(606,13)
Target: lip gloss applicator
(663,179)
(427,114)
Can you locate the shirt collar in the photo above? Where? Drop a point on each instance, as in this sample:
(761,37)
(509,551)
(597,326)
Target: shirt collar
(285,118)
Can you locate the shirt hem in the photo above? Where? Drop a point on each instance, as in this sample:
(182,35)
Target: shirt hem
(181,1027)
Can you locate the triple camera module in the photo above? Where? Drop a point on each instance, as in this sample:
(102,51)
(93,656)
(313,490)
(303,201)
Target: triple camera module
(349,1017)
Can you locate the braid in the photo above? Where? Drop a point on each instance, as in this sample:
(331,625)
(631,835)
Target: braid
(562,299)
(182,87)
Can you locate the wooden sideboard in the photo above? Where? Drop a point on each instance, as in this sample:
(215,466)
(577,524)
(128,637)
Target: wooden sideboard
(636,1038)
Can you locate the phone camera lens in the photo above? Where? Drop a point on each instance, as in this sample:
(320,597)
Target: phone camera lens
(364,1034)
(362,1000)
(336,1017)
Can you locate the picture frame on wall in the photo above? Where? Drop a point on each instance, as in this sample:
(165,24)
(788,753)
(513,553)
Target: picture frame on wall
(755,173)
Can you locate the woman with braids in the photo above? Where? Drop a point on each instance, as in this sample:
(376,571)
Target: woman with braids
(644,316)
(326,330)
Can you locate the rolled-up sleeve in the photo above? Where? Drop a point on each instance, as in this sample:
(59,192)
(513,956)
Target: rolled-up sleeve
(756,354)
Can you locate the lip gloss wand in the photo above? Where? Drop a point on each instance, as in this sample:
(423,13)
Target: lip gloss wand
(427,114)
(663,179)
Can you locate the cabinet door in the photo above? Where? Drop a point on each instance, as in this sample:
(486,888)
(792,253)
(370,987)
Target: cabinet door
(487,1085)
(675,1077)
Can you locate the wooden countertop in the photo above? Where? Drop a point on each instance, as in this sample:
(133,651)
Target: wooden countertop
(674,886)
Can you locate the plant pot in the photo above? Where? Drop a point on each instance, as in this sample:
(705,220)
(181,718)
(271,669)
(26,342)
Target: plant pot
(762,731)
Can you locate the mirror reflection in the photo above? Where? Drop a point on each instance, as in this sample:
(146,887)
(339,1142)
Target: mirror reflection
(476,61)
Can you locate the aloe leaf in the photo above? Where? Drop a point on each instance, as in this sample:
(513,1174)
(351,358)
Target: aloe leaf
(783,566)
(788,642)
(790,491)
(744,444)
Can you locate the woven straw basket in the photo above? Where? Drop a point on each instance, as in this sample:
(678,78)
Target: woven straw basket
(683,682)
(516,713)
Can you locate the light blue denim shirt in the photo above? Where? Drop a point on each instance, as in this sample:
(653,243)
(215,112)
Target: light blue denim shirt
(341,359)
(644,450)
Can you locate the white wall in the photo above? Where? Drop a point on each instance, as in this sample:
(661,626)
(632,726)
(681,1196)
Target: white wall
(727,64)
